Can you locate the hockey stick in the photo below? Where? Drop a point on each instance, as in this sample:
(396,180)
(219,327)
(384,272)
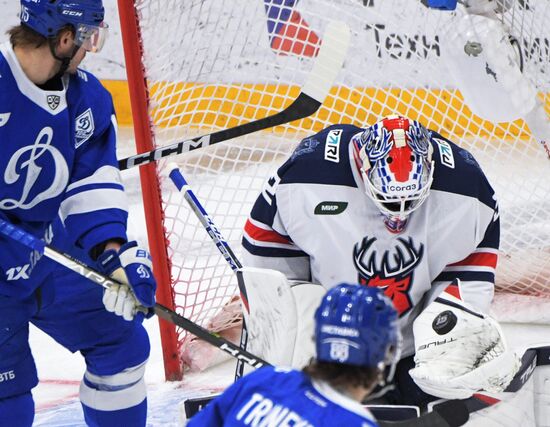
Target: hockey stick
(452,413)
(327,65)
(163,312)
(222,245)
(197,208)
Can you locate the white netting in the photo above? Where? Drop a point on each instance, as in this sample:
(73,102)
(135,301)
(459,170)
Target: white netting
(212,64)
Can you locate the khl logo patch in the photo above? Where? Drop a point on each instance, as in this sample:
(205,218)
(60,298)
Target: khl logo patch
(84,127)
(53,101)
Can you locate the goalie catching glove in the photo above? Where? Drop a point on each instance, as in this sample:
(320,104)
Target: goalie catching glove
(460,350)
(131,265)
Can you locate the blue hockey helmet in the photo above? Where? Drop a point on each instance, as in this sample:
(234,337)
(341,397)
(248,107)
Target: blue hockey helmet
(47,17)
(356,325)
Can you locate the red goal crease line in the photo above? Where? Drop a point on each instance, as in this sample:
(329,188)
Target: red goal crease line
(65,397)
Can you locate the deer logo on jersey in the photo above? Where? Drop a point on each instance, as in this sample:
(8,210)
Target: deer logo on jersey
(23,168)
(393,270)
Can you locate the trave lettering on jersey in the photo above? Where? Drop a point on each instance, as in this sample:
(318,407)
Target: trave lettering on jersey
(259,410)
(282,397)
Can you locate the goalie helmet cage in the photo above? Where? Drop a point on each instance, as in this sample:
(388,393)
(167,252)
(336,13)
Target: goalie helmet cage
(198,66)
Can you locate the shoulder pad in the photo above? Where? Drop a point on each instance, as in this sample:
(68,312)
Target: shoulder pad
(457,171)
(322,158)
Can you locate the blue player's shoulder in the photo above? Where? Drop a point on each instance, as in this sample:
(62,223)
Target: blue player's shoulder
(275,374)
(86,84)
(322,158)
(457,171)
(91,105)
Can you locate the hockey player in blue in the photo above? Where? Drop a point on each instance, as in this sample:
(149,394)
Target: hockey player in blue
(356,338)
(60,182)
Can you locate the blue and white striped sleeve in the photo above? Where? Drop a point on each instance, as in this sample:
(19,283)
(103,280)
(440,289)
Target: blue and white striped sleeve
(95,206)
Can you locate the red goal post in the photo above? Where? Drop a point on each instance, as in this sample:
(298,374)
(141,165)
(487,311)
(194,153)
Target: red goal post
(195,67)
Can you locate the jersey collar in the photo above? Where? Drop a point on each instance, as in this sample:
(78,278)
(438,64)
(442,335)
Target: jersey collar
(51,101)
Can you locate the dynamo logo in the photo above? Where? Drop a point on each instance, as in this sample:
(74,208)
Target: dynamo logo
(23,170)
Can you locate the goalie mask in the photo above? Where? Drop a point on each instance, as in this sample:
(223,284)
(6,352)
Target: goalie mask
(395,157)
(357,325)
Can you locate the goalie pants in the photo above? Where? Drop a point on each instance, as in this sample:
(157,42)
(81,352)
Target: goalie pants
(69,309)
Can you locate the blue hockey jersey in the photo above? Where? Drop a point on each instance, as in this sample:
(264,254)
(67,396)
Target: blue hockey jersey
(282,397)
(313,221)
(57,157)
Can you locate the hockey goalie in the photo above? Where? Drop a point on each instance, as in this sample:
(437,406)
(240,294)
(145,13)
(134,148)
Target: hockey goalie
(400,207)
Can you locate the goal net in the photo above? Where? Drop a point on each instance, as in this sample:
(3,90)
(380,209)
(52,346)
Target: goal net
(198,66)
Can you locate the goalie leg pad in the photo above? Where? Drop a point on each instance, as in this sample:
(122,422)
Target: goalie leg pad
(271,319)
(280,320)
(308,296)
(514,410)
(542,395)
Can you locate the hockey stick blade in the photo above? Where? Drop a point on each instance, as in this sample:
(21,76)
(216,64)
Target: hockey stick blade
(328,63)
(161,311)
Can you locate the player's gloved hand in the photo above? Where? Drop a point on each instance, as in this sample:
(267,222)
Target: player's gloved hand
(131,265)
(460,350)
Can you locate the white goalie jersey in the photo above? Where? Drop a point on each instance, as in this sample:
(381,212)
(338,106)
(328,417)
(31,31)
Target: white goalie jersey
(313,221)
